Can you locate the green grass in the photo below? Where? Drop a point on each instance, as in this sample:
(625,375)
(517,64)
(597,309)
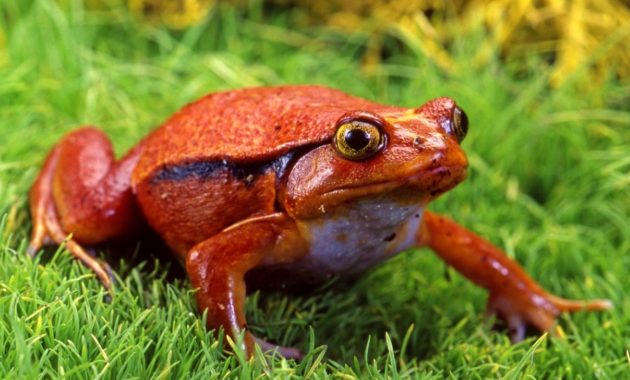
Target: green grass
(548,182)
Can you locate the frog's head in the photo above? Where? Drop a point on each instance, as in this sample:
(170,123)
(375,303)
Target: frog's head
(407,155)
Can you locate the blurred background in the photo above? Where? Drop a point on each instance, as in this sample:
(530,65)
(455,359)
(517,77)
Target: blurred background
(591,35)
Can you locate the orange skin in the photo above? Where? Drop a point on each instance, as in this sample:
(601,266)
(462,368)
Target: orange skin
(251,181)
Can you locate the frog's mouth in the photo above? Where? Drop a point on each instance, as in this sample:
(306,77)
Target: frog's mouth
(421,187)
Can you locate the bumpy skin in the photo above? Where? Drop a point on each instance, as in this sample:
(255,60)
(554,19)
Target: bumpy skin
(250,182)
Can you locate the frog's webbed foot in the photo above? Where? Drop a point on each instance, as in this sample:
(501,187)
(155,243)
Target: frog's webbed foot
(47,229)
(536,310)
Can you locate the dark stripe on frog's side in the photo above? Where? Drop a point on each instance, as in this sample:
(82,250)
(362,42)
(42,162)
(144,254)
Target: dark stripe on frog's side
(208,169)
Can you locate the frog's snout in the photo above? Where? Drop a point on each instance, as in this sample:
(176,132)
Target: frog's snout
(448,115)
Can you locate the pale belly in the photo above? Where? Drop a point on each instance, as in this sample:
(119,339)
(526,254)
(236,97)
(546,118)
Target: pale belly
(358,237)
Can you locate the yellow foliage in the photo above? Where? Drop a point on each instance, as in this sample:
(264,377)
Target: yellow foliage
(591,34)
(175,13)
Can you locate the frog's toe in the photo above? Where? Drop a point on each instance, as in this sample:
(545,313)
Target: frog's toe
(40,235)
(537,310)
(564,305)
(286,352)
(518,313)
(516,328)
(36,245)
(48,230)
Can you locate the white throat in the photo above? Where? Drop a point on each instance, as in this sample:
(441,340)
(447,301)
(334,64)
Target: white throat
(355,237)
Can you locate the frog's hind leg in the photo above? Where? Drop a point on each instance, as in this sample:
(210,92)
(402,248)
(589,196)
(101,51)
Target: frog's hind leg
(82,196)
(47,228)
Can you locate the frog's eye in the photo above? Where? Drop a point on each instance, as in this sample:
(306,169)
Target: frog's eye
(358,140)
(460,124)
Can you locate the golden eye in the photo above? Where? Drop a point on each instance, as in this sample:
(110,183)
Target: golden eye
(358,140)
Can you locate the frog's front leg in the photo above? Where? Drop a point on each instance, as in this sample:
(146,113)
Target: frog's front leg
(514,296)
(81,191)
(217,268)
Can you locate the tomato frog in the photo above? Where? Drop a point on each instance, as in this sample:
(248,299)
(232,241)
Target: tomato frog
(287,185)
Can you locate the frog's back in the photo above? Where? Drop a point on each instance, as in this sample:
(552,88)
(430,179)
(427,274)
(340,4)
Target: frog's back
(247,126)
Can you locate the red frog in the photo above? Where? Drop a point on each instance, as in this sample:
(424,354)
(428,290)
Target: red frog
(290,184)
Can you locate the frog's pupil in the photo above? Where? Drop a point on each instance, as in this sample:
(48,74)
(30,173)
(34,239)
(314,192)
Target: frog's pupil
(357,139)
